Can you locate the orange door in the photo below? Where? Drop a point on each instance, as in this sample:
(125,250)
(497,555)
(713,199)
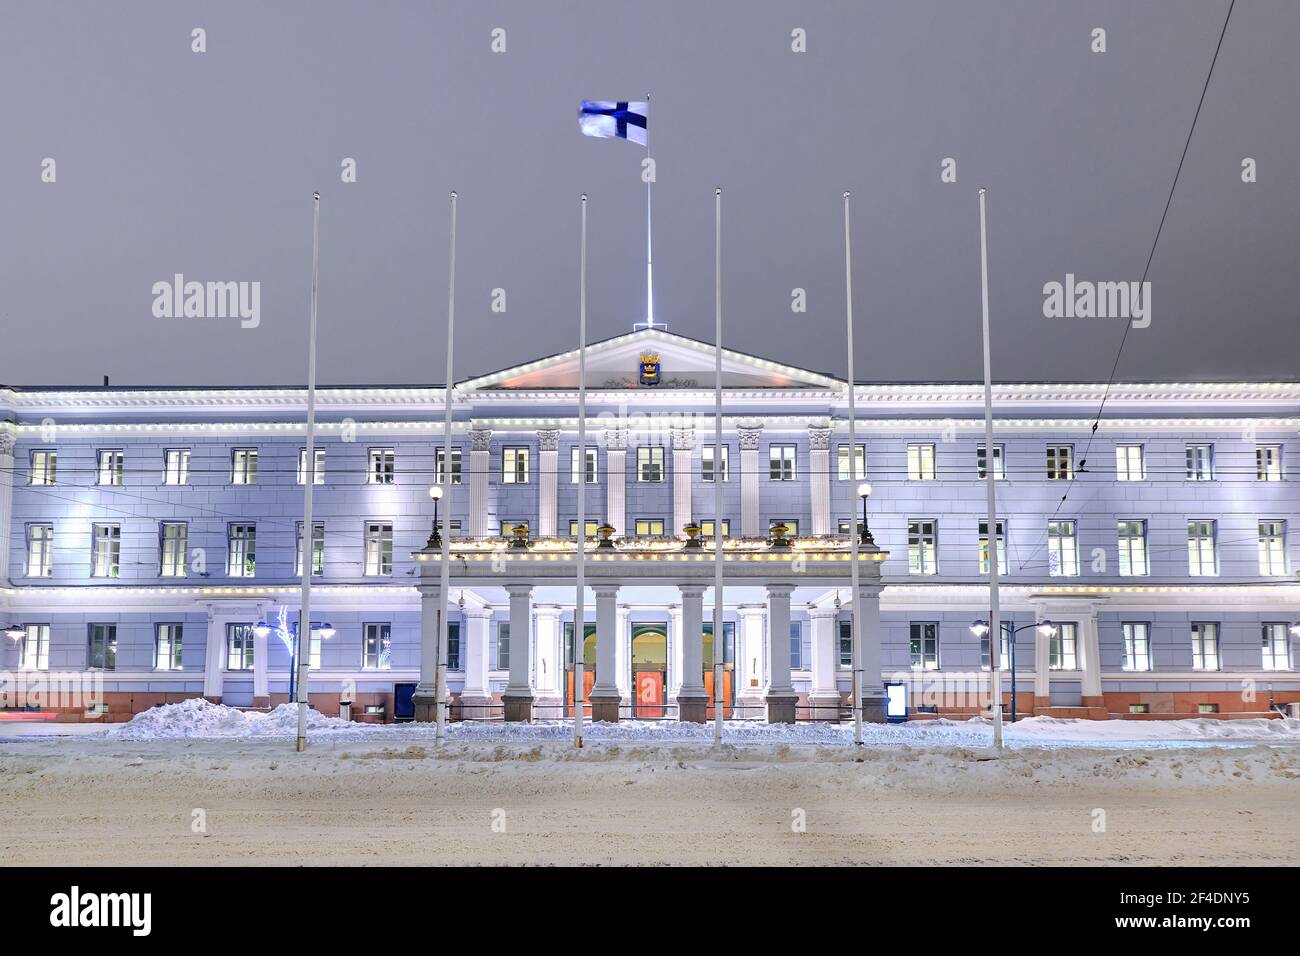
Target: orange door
(588,681)
(649,694)
(726,692)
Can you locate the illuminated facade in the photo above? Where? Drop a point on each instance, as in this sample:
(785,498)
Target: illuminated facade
(150,529)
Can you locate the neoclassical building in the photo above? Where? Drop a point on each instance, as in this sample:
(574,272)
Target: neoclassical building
(1146,566)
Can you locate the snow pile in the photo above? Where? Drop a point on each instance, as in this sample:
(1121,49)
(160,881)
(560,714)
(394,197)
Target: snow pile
(1044,729)
(197,717)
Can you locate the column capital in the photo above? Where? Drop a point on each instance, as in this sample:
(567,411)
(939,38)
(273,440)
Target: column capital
(780,590)
(693,589)
(548,610)
(819,437)
(8,438)
(751,610)
(519,590)
(479,439)
(683,438)
(476,613)
(548,439)
(616,439)
(823,613)
(750,431)
(605,590)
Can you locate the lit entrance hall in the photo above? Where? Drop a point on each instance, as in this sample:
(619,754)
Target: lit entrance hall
(648,648)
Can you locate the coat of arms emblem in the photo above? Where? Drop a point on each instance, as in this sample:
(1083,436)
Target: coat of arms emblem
(649,368)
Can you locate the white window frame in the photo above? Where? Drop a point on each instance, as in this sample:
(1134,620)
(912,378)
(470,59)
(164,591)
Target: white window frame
(168,646)
(318,476)
(920,461)
(457,461)
(1060,462)
(240,647)
(650,463)
(1134,555)
(1062,548)
(923,658)
(515,465)
(241,549)
(1205,646)
(107,634)
(1136,651)
(377,646)
(842,462)
(1276,646)
(592,465)
(923,546)
(1268,462)
(649,524)
(106,550)
(243,466)
(791,526)
(1200,461)
(176,466)
(1202,547)
(999,461)
(378,550)
(1130,462)
(173,548)
(317,549)
(707,469)
(110,465)
(34,655)
(706,529)
(782,461)
(1272,547)
(592,525)
(40,550)
(1063,647)
(382,466)
(982,531)
(44,466)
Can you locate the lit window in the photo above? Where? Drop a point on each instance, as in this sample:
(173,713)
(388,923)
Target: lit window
(707,529)
(377,647)
(707,469)
(241,550)
(239,647)
(317,550)
(173,545)
(1062,648)
(103,647)
(383,466)
(591,527)
(40,550)
(922,546)
(1205,647)
(167,647)
(859,464)
(508,527)
(110,467)
(920,462)
(1004,661)
(1060,462)
(1137,648)
(1268,462)
(1272,547)
(439,457)
(650,463)
(791,526)
(1133,558)
(1277,650)
(1200,462)
(984,548)
(176,466)
(318,473)
(999,458)
(925,647)
(1062,549)
(379,548)
(44,466)
(780,462)
(591,469)
(243,466)
(514,466)
(1201,558)
(36,647)
(1129,463)
(649,526)
(107,550)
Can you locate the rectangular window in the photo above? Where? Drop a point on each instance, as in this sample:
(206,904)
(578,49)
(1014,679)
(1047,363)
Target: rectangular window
(239,647)
(780,462)
(383,466)
(318,474)
(1062,648)
(1129,463)
(508,527)
(1268,462)
(514,466)
(707,469)
(317,550)
(40,550)
(590,529)
(173,546)
(243,466)
(36,647)
(379,548)
(1004,662)
(649,526)
(984,548)
(922,546)
(241,550)
(650,463)
(109,471)
(796,645)
(1201,558)
(1200,462)
(107,550)
(1137,648)
(920,462)
(1060,462)
(707,529)
(791,526)
(848,526)
(1062,549)
(439,457)
(377,647)
(846,644)
(1133,557)
(44,465)
(176,466)
(859,463)
(167,647)
(591,469)
(103,647)
(925,647)
(1205,646)
(1272,547)
(999,458)
(453,646)
(503,646)
(1277,650)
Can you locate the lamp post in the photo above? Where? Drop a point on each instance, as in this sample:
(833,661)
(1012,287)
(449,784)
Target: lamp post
(14,631)
(865,539)
(288,635)
(981,628)
(435,539)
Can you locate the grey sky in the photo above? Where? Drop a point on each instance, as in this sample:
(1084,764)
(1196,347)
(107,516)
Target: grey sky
(170,161)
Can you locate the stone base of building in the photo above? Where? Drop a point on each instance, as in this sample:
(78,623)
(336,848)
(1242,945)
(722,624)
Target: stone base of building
(426,707)
(873,710)
(475,708)
(827,708)
(518,708)
(262,703)
(693,710)
(605,708)
(781,708)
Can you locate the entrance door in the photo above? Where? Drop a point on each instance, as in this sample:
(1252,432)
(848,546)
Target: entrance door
(728,667)
(649,670)
(588,668)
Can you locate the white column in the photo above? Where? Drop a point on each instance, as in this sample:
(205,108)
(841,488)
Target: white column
(824,694)
(819,478)
(424,699)
(873,685)
(550,660)
(8,439)
(479,466)
(476,695)
(1090,662)
(616,479)
(750,433)
(214,660)
(780,696)
(692,702)
(623,657)
(675,650)
(605,694)
(683,468)
(749,658)
(548,444)
(518,696)
(261,696)
(1042,663)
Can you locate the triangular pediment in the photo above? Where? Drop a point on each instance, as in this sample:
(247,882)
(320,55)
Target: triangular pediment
(683,363)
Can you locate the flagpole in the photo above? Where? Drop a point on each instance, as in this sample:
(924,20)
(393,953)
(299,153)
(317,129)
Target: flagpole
(304,616)
(649,256)
(444,587)
(856,599)
(719,638)
(995,622)
(580,591)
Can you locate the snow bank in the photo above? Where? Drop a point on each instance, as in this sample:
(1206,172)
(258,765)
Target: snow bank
(197,717)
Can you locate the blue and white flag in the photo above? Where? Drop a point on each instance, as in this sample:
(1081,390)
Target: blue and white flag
(608,119)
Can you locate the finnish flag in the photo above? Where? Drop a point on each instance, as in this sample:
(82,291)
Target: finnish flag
(607,119)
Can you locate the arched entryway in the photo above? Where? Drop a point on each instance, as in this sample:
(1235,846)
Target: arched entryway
(588,667)
(649,670)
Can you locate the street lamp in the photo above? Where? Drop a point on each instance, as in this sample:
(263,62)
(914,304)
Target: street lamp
(435,539)
(865,539)
(981,628)
(288,634)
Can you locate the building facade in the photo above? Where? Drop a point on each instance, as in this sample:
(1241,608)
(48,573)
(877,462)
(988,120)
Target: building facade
(150,530)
